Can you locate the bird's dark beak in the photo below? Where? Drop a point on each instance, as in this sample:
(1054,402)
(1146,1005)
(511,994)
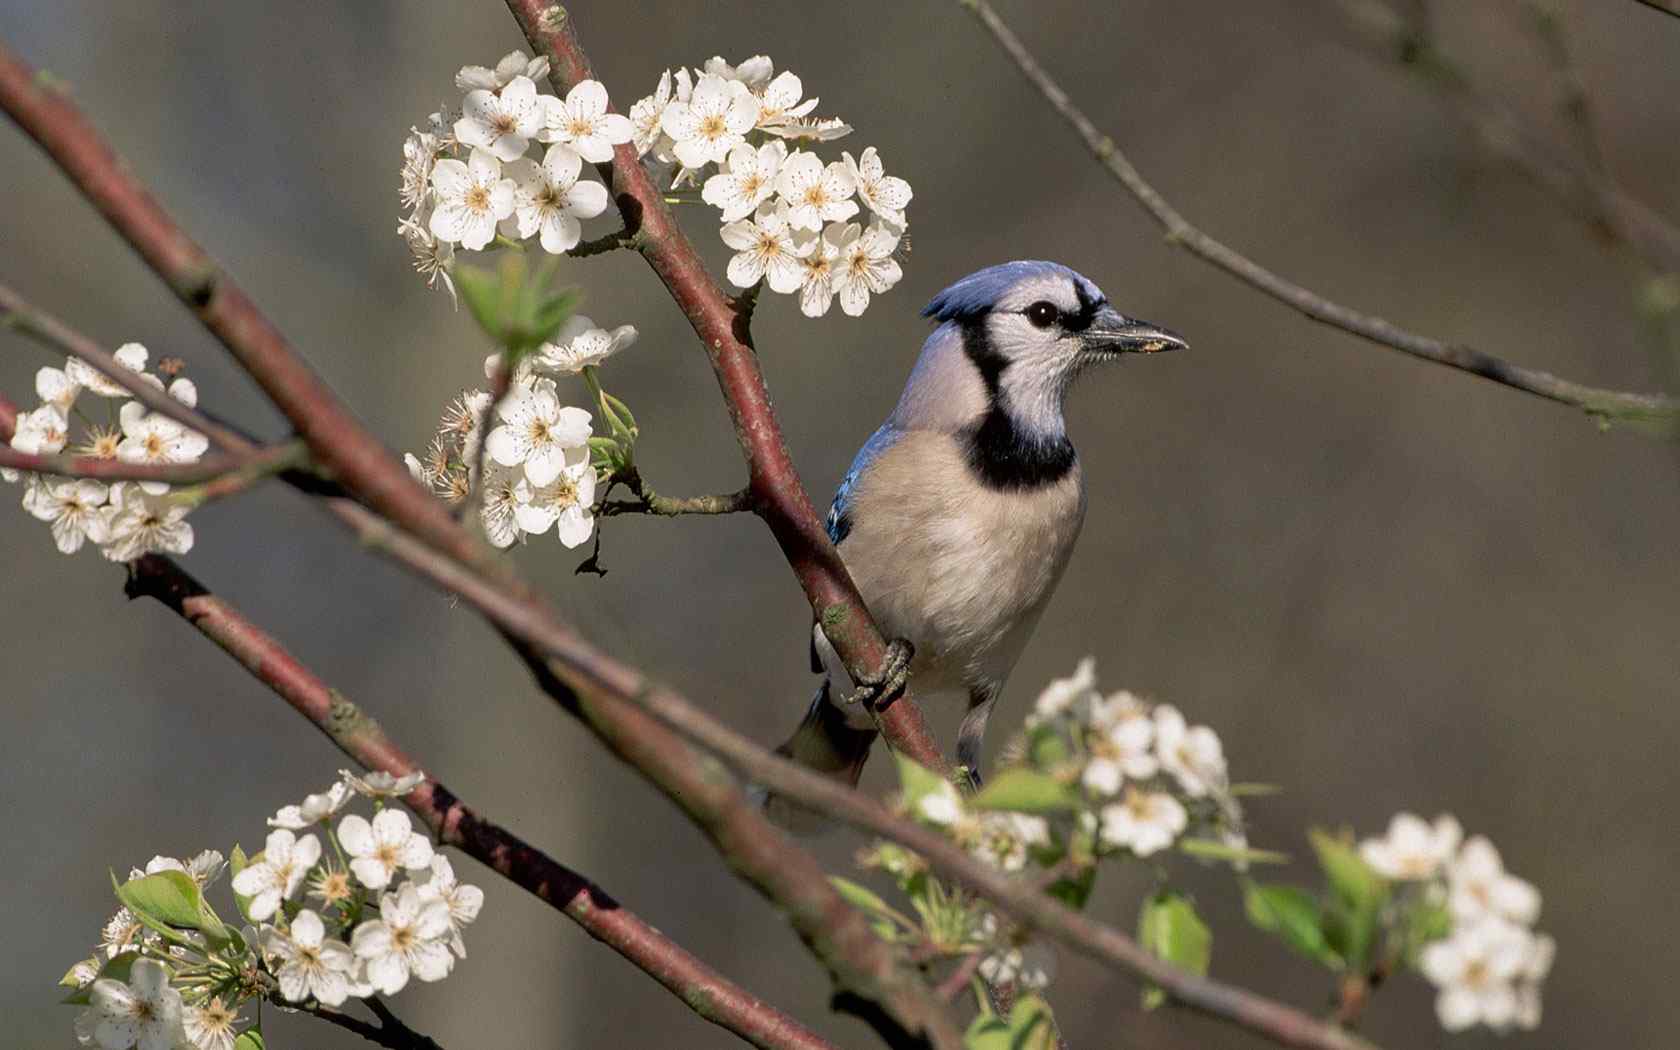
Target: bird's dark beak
(1114,333)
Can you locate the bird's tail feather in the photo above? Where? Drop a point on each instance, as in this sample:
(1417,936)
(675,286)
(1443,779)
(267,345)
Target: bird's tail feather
(827,744)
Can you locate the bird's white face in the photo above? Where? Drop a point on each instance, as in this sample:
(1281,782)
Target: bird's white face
(1037,330)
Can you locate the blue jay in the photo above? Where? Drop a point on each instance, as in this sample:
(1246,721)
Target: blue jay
(958,515)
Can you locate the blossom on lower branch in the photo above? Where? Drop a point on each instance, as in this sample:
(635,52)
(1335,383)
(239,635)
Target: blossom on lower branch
(124,519)
(170,974)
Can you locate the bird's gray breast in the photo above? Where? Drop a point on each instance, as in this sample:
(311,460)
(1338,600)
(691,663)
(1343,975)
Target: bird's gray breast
(961,568)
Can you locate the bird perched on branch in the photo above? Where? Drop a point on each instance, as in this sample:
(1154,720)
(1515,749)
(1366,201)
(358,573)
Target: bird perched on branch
(959,514)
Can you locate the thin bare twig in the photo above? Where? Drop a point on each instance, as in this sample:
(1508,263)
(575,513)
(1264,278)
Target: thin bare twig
(710,994)
(390,1032)
(1667,7)
(648,501)
(1656,411)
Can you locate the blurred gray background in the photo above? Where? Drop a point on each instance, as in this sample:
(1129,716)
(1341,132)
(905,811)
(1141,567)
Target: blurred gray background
(1387,585)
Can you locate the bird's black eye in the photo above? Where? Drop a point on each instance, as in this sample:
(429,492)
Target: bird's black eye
(1042,314)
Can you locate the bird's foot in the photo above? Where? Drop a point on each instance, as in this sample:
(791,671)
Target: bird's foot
(888,682)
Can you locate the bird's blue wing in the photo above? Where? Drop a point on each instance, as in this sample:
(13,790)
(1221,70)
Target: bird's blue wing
(839,521)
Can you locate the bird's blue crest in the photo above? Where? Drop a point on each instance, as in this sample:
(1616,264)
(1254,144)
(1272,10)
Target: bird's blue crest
(977,293)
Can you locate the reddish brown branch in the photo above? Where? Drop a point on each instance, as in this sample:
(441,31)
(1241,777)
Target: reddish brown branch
(221,475)
(707,992)
(779,497)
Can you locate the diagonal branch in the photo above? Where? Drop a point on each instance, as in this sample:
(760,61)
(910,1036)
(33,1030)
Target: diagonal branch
(1657,411)
(707,992)
(1667,7)
(225,473)
(779,497)
(390,1032)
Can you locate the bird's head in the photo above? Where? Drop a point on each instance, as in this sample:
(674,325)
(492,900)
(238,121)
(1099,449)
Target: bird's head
(1030,327)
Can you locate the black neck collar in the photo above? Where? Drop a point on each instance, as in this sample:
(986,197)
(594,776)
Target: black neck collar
(1001,453)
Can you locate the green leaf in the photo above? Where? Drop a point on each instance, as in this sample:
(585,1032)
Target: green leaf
(882,917)
(172,899)
(1046,747)
(1292,913)
(916,780)
(1352,918)
(1425,922)
(1021,790)
(1030,1026)
(116,969)
(1213,849)
(514,304)
(1075,891)
(249,1039)
(1169,927)
(237,862)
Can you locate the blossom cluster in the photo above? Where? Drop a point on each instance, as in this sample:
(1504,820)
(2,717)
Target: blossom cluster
(321,926)
(1489,964)
(1146,771)
(466,179)
(1092,777)
(125,519)
(538,471)
(787,214)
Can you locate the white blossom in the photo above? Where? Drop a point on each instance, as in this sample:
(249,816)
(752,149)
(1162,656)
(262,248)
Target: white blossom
(313,809)
(1003,839)
(746,180)
(55,387)
(1475,970)
(144,1013)
(150,437)
(550,200)
(210,1025)
(1478,885)
(753,72)
(582,123)
(536,432)
(380,784)
(310,964)
(768,248)
(502,123)
(817,271)
(1144,822)
(203,868)
(40,432)
(472,198)
(420,151)
(580,344)
(462,900)
(1413,849)
(122,932)
(142,522)
(1026,966)
(1062,694)
(500,486)
(433,258)
(885,195)
(811,129)
(816,194)
(379,849)
(514,64)
(942,806)
(865,265)
(1536,965)
(75,507)
(566,502)
(1121,744)
(645,116)
(778,102)
(408,938)
(1192,755)
(285,861)
(131,356)
(714,120)
(185,391)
